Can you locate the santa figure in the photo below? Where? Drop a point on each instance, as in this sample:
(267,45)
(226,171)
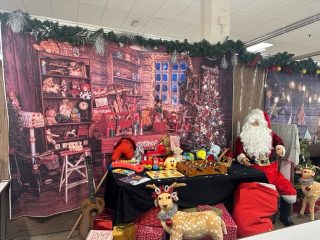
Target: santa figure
(259,147)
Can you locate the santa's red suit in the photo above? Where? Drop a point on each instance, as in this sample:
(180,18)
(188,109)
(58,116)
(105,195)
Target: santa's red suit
(259,147)
(256,140)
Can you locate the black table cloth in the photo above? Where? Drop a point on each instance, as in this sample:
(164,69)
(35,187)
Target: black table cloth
(129,202)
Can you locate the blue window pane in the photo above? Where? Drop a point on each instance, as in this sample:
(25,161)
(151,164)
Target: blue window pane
(174,77)
(182,77)
(158,66)
(164,98)
(158,87)
(158,77)
(174,99)
(165,66)
(164,88)
(165,77)
(175,67)
(174,88)
(183,66)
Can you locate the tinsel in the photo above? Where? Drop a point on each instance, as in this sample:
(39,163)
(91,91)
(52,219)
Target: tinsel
(99,44)
(17,21)
(21,22)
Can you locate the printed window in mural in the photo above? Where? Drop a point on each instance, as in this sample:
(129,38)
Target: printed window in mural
(168,78)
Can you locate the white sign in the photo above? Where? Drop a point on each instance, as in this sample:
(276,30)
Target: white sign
(31,119)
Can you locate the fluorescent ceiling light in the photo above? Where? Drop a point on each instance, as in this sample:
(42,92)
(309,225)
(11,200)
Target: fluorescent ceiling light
(260,47)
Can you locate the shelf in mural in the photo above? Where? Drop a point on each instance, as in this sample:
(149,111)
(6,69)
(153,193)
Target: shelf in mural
(71,98)
(125,79)
(70,139)
(65,76)
(68,123)
(126,61)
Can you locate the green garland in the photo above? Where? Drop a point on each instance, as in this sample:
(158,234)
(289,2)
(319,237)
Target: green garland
(43,30)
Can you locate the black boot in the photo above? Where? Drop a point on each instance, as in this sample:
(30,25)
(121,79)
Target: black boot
(285,212)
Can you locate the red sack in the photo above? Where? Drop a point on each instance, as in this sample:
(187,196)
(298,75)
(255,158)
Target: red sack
(254,205)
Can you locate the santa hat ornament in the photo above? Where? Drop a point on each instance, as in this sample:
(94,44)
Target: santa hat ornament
(268,120)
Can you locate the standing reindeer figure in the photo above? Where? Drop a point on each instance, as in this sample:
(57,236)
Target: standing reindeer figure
(310,189)
(184,225)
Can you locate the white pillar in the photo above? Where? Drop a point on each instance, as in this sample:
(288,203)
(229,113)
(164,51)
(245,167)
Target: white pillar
(215,20)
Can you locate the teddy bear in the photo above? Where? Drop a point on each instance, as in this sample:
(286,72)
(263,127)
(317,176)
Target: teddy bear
(75,88)
(48,86)
(50,136)
(50,116)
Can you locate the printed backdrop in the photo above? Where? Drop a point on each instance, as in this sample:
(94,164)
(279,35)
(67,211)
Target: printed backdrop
(62,97)
(294,99)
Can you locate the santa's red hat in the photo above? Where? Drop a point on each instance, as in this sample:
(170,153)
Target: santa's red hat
(268,120)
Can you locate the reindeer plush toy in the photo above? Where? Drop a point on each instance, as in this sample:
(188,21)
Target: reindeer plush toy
(184,225)
(310,189)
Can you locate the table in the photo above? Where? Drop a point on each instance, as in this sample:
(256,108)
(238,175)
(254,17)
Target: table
(305,231)
(129,201)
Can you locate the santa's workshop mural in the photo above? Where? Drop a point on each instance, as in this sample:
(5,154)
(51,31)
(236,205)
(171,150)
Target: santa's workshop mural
(67,101)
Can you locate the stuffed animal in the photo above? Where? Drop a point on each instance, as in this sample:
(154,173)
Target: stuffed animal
(188,156)
(201,154)
(48,86)
(64,88)
(50,136)
(85,93)
(177,154)
(75,88)
(75,69)
(213,153)
(124,148)
(185,225)
(310,189)
(50,116)
(138,153)
(170,163)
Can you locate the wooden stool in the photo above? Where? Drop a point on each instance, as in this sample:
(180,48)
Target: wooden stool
(68,168)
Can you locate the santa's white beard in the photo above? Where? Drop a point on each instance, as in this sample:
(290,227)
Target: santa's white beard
(257,140)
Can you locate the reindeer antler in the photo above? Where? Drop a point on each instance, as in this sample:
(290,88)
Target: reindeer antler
(176,185)
(152,186)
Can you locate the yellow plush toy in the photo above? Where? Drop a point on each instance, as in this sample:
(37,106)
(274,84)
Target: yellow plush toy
(201,154)
(170,163)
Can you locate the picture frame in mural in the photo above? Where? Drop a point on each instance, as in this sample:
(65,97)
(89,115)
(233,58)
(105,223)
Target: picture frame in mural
(101,102)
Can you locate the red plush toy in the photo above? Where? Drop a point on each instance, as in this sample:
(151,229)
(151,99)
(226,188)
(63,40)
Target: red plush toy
(124,148)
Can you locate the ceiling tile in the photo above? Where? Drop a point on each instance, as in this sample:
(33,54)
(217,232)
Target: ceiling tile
(155,25)
(170,9)
(173,29)
(191,14)
(192,33)
(113,18)
(126,25)
(240,36)
(260,6)
(124,5)
(89,13)
(239,4)
(12,5)
(39,7)
(147,7)
(94,2)
(66,10)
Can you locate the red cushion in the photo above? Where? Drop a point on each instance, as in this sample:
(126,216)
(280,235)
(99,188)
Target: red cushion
(254,204)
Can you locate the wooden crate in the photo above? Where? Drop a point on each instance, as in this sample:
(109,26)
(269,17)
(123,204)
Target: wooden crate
(200,167)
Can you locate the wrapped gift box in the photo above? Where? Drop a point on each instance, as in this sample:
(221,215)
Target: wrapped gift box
(103,221)
(149,226)
(124,232)
(202,208)
(231,226)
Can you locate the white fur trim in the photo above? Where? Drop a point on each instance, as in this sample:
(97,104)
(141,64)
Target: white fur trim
(283,150)
(289,198)
(239,158)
